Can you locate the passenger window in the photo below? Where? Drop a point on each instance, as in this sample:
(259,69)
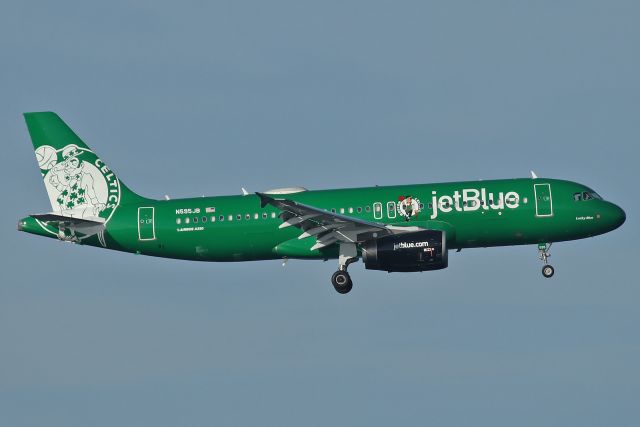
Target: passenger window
(256,216)
(213,219)
(377,210)
(247,216)
(238,217)
(350,210)
(273,214)
(341,210)
(333,210)
(221,217)
(204,219)
(230,217)
(391,209)
(359,210)
(186,220)
(264,215)
(367,208)
(178,220)
(195,219)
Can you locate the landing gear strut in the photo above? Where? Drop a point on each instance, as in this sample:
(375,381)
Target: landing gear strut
(341,280)
(543,254)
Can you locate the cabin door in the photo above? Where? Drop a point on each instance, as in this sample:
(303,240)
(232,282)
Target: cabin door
(544,202)
(146,223)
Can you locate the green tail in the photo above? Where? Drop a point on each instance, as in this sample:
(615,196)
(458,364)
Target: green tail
(78,182)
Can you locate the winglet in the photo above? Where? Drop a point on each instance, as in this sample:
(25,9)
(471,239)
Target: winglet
(533,175)
(244,192)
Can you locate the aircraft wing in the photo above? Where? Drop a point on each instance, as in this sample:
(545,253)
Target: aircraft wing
(328,227)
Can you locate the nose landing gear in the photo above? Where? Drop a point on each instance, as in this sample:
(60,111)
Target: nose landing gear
(543,254)
(547,271)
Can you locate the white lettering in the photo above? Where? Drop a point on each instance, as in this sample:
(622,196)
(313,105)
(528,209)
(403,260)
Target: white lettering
(473,199)
(445,204)
(511,200)
(500,203)
(456,200)
(472,202)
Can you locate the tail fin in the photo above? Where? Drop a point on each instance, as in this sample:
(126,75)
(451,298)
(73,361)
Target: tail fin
(78,182)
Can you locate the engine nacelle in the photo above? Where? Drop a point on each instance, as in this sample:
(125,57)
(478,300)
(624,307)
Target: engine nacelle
(418,251)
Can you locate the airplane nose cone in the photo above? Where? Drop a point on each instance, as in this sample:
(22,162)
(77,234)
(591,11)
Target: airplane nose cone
(614,216)
(618,217)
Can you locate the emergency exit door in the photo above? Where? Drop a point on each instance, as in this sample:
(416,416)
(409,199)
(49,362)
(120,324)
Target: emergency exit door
(146,225)
(544,202)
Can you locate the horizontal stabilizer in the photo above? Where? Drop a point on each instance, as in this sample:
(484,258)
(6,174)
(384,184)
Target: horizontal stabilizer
(69,220)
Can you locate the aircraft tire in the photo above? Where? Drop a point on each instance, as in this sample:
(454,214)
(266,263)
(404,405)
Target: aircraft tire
(341,281)
(547,271)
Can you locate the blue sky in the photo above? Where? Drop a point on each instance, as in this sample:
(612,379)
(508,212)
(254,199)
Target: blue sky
(208,97)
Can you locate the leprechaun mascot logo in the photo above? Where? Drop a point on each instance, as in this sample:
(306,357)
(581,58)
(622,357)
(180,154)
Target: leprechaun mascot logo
(78,183)
(408,206)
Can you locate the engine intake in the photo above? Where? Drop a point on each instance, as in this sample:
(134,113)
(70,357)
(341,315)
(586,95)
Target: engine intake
(417,251)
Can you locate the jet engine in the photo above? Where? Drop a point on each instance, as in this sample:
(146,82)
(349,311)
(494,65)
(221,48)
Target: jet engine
(416,251)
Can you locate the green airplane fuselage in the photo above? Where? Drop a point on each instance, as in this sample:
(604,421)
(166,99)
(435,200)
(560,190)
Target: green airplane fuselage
(395,228)
(237,228)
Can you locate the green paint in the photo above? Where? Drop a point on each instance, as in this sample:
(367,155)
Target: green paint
(237,228)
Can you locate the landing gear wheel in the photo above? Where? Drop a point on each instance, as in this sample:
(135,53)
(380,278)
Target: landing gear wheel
(547,271)
(341,281)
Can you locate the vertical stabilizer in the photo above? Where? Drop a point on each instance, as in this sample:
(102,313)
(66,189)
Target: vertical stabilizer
(79,184)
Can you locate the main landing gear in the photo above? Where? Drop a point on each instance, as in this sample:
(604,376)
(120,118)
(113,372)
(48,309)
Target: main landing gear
(341,280)
(543,254)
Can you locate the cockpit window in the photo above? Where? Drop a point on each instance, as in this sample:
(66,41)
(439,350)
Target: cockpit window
(586,195)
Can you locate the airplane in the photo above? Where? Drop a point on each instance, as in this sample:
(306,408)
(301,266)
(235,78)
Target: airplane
(401,228)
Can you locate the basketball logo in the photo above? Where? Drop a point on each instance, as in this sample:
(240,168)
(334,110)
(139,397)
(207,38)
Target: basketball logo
(47,157)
